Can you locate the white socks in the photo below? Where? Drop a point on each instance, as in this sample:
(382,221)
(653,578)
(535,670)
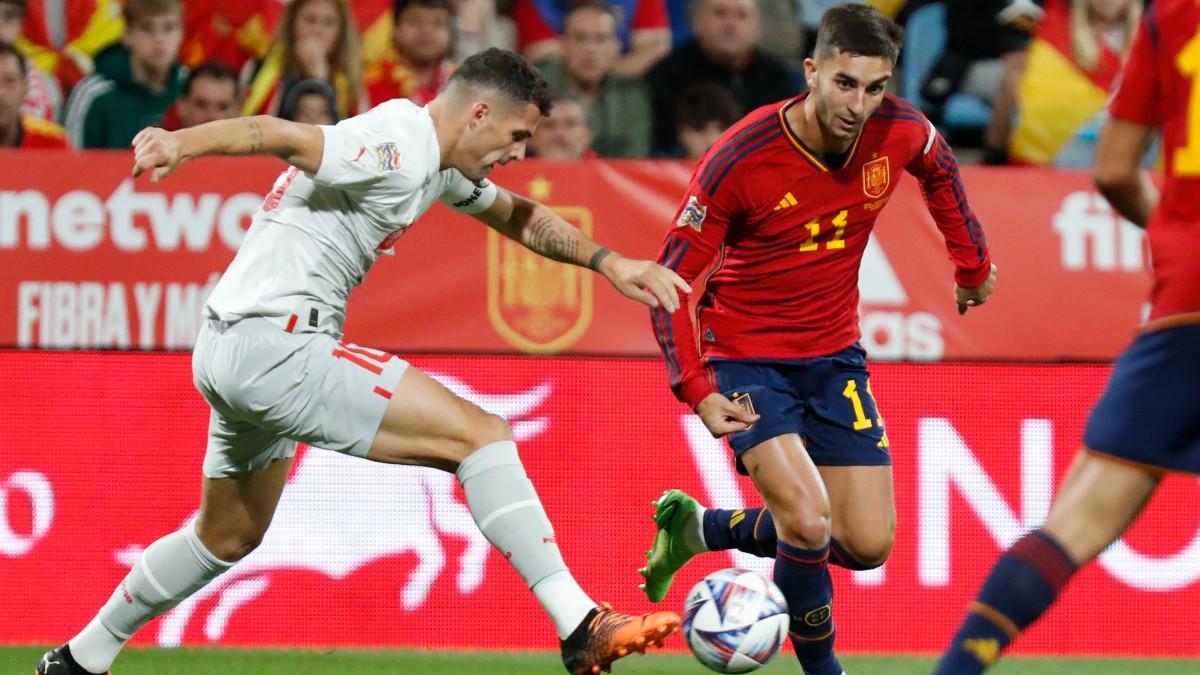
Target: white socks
(168,571)
(508,512)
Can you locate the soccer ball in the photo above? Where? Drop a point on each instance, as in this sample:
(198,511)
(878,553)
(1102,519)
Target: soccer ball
(735,621)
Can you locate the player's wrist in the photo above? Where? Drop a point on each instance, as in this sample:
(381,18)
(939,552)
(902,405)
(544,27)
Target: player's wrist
(604,261)
(970,278)
(694,391)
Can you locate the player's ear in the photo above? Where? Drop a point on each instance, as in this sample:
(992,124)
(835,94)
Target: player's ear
(810,73)
(480,110)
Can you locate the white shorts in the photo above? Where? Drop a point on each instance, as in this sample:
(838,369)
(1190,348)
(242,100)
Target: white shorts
(269,388)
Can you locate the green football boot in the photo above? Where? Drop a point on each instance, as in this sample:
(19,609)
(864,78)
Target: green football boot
(670,551)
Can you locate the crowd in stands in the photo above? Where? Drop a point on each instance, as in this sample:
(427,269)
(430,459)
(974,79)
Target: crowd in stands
(1025,81)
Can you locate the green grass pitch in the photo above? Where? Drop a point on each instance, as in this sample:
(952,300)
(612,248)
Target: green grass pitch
(138,661)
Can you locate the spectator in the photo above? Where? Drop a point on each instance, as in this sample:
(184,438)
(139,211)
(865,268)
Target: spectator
(419,64)
(229,32)
(17,130)
(211,93)
(565,133)
(61,37)
(705,112)
(617,106)
(642,28)
(43,98)
(1071,68)
(310,102)
(984,56)
(478,25)
(317,39)
(143,79)
(723,52)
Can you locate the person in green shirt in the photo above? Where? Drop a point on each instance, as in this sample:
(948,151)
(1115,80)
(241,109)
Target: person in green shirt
(618,106)
(135,82)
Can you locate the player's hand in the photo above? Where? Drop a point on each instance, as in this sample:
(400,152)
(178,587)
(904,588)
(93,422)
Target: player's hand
(975,295)
(157,151)
(645,281)
(722,416)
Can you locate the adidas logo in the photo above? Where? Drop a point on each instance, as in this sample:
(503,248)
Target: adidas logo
(788,200)
(987,650)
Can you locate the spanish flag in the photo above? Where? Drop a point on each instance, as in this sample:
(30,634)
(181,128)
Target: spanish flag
(1056,97)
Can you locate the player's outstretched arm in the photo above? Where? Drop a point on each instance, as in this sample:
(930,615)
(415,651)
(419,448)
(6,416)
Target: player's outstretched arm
(161,152)
(544,232)
(1118,171)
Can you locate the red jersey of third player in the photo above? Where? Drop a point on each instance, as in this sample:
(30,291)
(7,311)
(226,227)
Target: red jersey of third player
(1159,88)
(788,232)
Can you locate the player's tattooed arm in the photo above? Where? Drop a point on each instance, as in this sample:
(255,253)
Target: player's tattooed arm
(548,237)
(300,145)
(539,229)
(545,232)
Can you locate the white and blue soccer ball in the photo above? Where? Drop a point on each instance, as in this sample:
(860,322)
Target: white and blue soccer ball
(735,621)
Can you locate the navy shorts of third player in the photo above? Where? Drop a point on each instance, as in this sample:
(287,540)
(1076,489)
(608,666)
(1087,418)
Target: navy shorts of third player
(826,400)
(1150,410)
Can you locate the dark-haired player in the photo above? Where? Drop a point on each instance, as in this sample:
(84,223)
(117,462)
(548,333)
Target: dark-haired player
(271,363)
(781,207)
(1147,423)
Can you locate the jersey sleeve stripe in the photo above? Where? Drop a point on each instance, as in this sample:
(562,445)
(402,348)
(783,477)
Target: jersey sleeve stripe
(899,105)
(974,228)
(672,262)
(669,249)
(733,162)
(727,150)
(899,116)
(666,342)
(932,137)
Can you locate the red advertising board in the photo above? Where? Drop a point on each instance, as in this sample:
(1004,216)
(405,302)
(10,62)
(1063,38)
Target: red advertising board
(102,452)
(90,257)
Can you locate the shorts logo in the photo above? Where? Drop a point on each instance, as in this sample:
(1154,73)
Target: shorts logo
(747,405)
(818,616)
(693,214)
(387,157)
(876,177)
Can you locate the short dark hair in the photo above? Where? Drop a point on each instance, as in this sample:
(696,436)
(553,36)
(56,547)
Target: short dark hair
(858,29)
(703,104)
(9,50)
(134,10)
(506,72)
(21,4)
(595,5)
(211,69)
(309,87)
(399,6)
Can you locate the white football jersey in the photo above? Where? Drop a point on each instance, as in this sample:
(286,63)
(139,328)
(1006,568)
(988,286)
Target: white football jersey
(316,236)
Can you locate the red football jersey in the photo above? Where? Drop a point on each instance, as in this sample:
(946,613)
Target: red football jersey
(788,234)
(1160,87)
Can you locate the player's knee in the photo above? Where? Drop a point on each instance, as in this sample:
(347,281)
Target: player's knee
(232,544)
(803,527)
(240,545)
(480,429)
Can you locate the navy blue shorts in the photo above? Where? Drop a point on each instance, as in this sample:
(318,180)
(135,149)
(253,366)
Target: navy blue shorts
(826,400)
(1150,411)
